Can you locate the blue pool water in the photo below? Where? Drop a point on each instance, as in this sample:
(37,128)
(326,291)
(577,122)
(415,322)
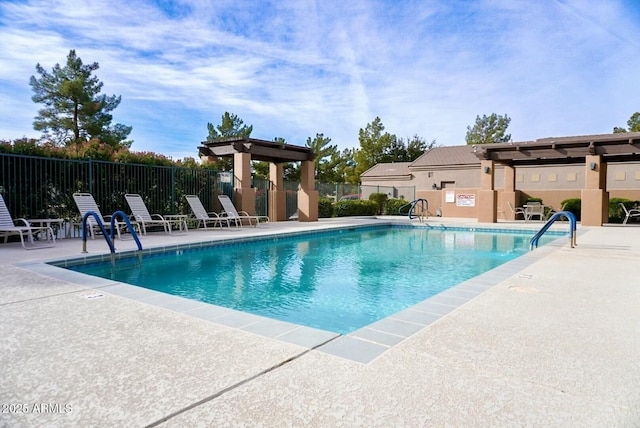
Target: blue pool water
(337,281)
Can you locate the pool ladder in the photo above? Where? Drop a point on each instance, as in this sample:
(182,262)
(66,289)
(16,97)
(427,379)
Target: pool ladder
(111,236)
(424,209)
(572,228)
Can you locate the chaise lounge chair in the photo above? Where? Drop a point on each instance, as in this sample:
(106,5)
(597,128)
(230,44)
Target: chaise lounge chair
(8,227)
(629,213)
(232,214)
(201,213)
(142,216)
(86,203)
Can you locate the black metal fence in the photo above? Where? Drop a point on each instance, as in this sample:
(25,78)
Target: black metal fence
(36,187)
(40,187)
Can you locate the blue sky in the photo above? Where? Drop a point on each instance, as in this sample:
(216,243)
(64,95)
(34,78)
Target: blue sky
(296,68)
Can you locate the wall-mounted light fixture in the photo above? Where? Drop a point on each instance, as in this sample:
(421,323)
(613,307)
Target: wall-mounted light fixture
(592,166)
(434,186)
(487,170)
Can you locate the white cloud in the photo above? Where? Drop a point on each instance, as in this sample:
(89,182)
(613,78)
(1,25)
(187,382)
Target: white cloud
(296,68)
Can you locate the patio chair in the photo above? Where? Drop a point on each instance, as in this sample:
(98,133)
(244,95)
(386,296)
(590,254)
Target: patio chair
(629,213)
(231,213)
(202,216)
(516,211)
(8,227)
(142,216)
(86,203)
(534,209)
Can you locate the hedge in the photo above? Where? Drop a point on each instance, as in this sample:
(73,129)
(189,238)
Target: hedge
(355,207)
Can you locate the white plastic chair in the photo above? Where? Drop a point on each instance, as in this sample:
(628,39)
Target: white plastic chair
(86,203)
(534,209)
(142,216)
(629,213)
(201,213)
(8,227)
(516,211)
(231,213)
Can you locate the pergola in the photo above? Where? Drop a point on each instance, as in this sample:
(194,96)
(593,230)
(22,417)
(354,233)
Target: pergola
(594,151)
(244,150)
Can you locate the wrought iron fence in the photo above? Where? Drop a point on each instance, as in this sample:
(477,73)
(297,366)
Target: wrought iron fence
(36,187)
(39,187)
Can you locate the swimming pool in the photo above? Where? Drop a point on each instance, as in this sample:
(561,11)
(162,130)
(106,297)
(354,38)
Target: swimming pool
(337,281)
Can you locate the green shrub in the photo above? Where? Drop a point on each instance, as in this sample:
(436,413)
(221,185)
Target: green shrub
(573,206)
(616,213)
(325,207)
(355,207)
(379,199)
(533,200)
(392,206)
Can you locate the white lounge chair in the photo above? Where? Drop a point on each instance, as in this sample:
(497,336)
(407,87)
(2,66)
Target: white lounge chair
(86,203)
(629,213)
(201,213)
(142,216)
(8,227)
(231,213)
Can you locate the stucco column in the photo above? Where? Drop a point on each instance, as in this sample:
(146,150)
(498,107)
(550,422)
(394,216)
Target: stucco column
(509,191)
(307,195)
(244,196)
(595,198)
(487,200)
(277,193)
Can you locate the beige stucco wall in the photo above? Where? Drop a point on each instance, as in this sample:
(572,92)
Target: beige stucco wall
(553,184)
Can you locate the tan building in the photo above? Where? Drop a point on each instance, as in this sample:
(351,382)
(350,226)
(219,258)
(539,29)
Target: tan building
(450,178)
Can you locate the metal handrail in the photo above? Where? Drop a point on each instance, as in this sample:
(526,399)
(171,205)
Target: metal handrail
(108,237)
(572,228)
(412,206)
(102,229)
(128,223)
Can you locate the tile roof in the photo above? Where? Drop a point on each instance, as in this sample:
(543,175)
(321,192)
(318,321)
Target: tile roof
(387,169)
(447,155)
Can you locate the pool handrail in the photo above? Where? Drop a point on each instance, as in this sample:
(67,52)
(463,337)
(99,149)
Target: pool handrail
(102,229)
(412,206)
(109,237)
(128,223)
(572,228)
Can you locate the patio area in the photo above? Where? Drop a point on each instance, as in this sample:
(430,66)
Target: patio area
(554,343)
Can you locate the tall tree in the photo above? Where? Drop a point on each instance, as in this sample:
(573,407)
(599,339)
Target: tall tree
(489,129)
(230,126)
(374,142)
(75,111)
(633,123)
(322,149)
(416,147)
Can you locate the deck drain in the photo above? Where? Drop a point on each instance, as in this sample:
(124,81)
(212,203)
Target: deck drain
(92,295)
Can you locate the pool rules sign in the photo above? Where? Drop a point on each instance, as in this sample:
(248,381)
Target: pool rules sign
(466,200)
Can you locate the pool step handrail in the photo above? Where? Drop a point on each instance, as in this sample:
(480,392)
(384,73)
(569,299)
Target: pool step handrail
(572,228)
(128,223)
(109,237)
(424,204)
(102,229)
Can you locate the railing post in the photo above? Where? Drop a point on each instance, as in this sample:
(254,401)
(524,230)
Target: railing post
(90,189)
(173,189)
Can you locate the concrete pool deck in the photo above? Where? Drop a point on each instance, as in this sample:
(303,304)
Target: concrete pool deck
(555,342)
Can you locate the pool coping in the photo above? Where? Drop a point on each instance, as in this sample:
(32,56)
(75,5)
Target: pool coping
(362,345)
